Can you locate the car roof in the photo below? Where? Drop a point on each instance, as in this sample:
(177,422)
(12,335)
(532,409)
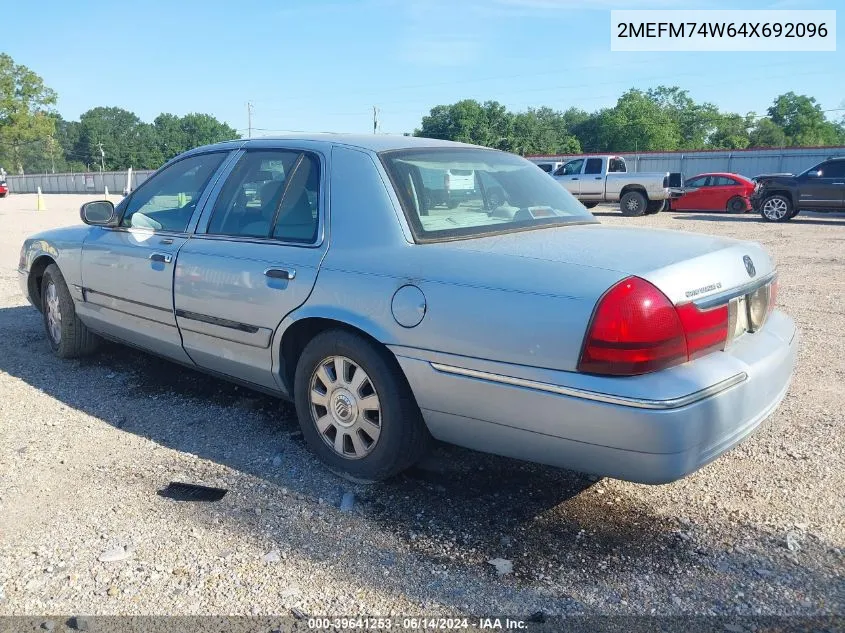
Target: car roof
(371,142)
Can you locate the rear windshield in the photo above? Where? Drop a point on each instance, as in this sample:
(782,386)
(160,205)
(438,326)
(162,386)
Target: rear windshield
(508,193)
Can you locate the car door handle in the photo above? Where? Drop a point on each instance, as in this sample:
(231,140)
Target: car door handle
(574,179)
(163,258)
(598,178)
(280,273)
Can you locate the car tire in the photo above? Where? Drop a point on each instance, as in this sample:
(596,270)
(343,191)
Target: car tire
(776,208)
(329,405)
(451,203)
(2,195)
(655,207)
(736,205)
(794,213)
(67,335)
(590,205)
(633,204)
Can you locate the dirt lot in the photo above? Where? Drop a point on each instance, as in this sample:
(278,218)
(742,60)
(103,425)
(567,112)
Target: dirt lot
(85,446)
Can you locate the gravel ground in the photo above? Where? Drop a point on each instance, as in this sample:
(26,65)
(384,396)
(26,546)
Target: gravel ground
(86,445)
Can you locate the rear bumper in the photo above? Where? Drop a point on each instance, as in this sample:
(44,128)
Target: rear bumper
(649,429)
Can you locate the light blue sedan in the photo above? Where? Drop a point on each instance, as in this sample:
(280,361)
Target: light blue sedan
(343,273)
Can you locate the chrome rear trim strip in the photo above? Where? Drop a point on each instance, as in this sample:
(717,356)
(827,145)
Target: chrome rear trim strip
(639,403)
(723,297)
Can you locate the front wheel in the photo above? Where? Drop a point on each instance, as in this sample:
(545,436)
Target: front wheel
(776,208)
(67,335)
(355,408)
(633,204)
(590,205)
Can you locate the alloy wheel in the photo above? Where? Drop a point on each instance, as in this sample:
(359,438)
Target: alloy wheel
(775,208)
(54,313)
(345,407)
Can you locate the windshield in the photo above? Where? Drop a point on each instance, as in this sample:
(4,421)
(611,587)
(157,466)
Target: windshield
(500,192)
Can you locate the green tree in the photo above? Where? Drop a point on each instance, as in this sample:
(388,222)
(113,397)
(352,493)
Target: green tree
(731,131)
(803,121)
(25,112)
(636,123)
(469,121)
(695,121)
(767,133)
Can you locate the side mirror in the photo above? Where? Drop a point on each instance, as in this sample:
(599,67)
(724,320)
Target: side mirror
(814,174)
(98,213)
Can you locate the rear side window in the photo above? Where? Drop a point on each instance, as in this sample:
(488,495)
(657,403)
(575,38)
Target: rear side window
(723,181)
(616,166)
(268,193)
(593,166)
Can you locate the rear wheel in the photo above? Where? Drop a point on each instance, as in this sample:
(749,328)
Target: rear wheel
(355,408)
(67,335)
(590,205)
(736,205)
(633,203)
(776,208)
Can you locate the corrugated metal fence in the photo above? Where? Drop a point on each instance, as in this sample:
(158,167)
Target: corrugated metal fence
(749,163)
(91,182)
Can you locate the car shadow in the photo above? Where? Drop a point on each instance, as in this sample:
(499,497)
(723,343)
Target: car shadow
(824,219)
(457,509)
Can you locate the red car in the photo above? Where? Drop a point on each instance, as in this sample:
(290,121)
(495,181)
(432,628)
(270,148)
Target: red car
(4,190)
(715,192)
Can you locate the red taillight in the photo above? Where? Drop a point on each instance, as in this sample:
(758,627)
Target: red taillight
(706,330)
(637,330)
(773,294)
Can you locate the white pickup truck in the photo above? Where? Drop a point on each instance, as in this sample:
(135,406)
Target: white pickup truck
(605,178)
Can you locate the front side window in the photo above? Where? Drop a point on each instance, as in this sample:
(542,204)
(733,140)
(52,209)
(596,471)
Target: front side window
(167,201)
(833,169)
(508,193)
(696,182)
(593,166)
(572,168)
(270,193)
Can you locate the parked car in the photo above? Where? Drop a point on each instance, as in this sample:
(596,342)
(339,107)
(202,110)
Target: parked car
(4,190)
(520,326)
(716,192)
(779,198)
(596,179)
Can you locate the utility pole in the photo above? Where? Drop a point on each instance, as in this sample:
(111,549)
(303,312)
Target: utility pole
(376,112)
(102,158)
(249,118)
(50,142)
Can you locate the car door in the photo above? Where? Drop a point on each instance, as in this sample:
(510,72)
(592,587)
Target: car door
(695,194)
(252,260)
(569,175)
(824,191)
(127,270)
(592,180)
(718,192)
